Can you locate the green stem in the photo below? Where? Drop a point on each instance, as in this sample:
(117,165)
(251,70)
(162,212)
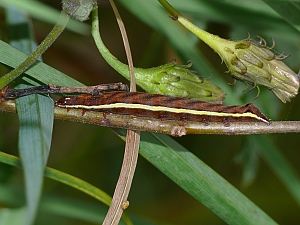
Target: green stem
(109,58)
(51,37)
(214,41)
(169,79)
(142,78)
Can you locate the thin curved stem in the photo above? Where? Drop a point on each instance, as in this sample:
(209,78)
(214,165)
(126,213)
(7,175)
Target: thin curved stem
(48,41)
(119,201)
(211,40)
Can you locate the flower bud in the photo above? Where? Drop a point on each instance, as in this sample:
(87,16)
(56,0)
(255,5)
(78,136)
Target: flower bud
(255,63)
(179,80)
(169,79)
(249,61)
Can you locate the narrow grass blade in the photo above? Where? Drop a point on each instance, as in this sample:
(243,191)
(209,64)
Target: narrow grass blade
(200,181)
(36,119)
(12,216)
(288,10)
(12,57)
(64,207)
(59,176)
(36,114)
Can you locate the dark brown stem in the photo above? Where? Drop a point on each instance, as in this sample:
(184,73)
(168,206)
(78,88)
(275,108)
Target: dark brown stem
(10,94)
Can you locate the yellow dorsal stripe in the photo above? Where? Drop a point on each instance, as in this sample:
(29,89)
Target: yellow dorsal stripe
(165,109)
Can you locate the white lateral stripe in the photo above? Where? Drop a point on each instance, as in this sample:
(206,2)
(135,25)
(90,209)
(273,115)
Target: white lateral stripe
(165,109)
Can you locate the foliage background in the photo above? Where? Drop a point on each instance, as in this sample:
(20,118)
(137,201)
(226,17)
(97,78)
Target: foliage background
(95,154)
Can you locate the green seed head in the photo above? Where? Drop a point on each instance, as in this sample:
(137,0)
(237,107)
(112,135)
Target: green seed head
(255,63)
(180,81)
(249,61)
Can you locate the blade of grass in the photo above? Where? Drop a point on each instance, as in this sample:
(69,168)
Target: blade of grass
(288,10)
(230,11)
(64,178)
(199,180)
(40,71)
(60,206)
(236,13)
(37,52)
(36,114)
(12,216)
(39,64)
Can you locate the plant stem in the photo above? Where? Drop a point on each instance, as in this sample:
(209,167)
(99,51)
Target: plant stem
(166,126)
(142,79)
(48,41)
(214,41)
(119,202)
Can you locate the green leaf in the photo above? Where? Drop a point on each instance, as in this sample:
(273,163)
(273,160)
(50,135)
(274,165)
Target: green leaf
(263,21)
(36,114)
(12,216)
(52,206)
(79,184)
(199,180)
(240,17)
(288,10)
(55,207)
(40,71)
(235,13)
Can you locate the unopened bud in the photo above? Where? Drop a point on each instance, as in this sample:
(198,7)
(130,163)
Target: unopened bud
(255,63)
(179,80)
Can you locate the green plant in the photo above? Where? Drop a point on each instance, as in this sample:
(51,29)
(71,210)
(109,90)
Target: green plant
(183,167)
